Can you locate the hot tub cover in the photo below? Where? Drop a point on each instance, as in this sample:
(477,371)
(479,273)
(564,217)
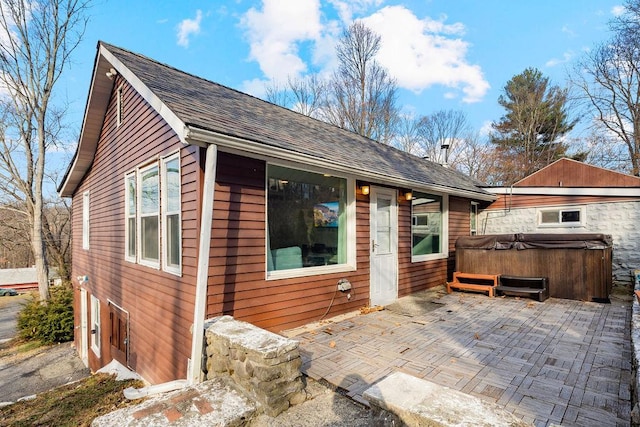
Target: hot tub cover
(536,241)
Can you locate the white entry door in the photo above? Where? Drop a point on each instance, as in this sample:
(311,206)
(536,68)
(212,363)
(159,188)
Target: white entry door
(384,245)
(84,323)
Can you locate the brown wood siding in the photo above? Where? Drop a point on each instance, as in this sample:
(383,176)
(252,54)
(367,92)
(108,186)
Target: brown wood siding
(237,283)
(570,173)
(459,225)
(417,276)
(160,305)
(538,200)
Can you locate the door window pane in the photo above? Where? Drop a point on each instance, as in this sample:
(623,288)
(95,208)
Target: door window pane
(383,226)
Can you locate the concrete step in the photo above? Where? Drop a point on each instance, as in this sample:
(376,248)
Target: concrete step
(211,403)
(402,399)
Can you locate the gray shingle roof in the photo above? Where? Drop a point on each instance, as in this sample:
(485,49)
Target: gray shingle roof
(207,105)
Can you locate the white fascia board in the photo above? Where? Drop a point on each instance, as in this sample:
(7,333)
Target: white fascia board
(568,191)
(199,136)
(147,94)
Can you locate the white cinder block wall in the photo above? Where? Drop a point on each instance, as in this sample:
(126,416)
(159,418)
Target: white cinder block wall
(621,220)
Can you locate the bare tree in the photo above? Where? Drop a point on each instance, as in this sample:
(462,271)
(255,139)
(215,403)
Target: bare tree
(363,95)
(442,128)
(57,234)
(609,79)
(476,157)
(38,38)
(14,237)
(276,93)
(306,95)
(407,136)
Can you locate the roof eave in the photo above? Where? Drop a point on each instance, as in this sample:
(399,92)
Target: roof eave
(95,111)
(198,136)
(96,107)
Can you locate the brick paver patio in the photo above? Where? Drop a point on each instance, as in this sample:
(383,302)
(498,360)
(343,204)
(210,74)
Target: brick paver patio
(558,362)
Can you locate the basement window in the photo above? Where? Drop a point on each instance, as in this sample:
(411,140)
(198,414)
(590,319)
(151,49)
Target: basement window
(561,217)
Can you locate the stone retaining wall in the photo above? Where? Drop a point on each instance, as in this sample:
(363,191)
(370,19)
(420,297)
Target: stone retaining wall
(266,366)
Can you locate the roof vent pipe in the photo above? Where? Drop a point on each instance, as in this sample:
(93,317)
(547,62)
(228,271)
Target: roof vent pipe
(444,153)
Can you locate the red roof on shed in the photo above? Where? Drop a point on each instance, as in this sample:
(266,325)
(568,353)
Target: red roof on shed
(571,173)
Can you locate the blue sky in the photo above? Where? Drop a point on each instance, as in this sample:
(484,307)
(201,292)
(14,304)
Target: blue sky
(445,54)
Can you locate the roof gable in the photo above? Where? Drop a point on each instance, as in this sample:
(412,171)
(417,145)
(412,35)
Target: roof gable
(571,173)
(193,106)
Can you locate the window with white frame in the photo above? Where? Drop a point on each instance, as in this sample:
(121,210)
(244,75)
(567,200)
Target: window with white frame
(171,214)
(473,220)
(119,106)
(95,325)
(429,231)
(561,217)
(153,227)
(149,218)
(85,220)
(310,220)
(131,203)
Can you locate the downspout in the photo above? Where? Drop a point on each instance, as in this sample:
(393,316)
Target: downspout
(200,308)
(197,331)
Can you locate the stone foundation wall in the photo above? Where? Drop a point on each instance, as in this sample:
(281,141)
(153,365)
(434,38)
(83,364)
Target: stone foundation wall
(266,366)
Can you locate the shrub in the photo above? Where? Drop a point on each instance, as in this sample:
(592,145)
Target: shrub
(51,321)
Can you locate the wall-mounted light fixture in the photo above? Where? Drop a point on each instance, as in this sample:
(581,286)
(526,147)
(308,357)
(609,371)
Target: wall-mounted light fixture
(111,73)
(365,189)
(408,195)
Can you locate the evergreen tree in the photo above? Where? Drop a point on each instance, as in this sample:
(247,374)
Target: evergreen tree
(530,135)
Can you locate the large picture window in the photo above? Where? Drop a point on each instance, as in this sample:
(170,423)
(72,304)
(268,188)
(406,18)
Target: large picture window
(428,226)
(307,220)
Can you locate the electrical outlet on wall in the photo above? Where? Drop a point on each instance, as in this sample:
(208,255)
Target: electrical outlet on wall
(344,285)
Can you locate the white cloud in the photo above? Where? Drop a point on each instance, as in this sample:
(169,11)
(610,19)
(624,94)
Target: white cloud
(255,87)
(187,28)
(419,55)
(617,10)
(486,129)
(568,31)
(347,9)
(275,34)
(566,57)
